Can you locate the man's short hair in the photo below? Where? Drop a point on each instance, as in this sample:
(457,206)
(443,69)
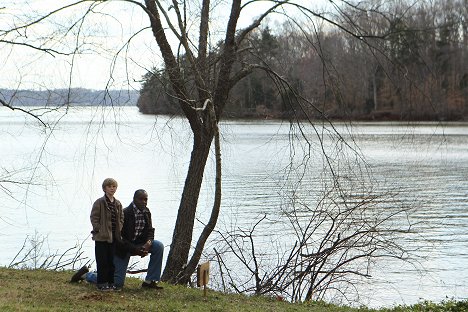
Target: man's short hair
(139,192)
(109,182)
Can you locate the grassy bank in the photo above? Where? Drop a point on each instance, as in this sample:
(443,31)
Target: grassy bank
(37,290)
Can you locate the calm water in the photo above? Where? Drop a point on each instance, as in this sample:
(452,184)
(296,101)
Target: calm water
(61,172)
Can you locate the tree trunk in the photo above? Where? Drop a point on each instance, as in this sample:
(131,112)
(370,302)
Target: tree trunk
(210,225)
(182,236)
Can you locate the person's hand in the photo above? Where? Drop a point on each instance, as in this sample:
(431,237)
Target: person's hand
(146,247)
(142,252)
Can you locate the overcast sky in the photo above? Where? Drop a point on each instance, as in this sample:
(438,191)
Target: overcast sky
(104,59)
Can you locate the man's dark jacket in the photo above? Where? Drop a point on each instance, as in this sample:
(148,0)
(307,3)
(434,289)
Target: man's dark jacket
(128,231)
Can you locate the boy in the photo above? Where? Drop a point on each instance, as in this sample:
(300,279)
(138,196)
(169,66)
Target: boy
(107,221)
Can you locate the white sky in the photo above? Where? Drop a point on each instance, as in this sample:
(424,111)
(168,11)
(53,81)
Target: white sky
(107,33)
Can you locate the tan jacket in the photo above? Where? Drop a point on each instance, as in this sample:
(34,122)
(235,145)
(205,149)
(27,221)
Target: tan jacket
(102,222)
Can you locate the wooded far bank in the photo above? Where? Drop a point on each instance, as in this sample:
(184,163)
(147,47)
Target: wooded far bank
(411,67)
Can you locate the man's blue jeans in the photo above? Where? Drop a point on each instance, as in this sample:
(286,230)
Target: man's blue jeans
(121,264)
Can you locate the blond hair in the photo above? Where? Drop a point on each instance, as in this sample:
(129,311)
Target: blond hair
(109,182)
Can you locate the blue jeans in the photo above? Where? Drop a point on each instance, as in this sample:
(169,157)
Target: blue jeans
(121,264)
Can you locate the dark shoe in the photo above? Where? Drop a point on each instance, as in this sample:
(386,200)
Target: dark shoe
(104,287)
(115,288)
(78,276)
(152,285)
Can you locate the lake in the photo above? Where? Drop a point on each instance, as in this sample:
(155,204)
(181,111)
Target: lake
(57,175)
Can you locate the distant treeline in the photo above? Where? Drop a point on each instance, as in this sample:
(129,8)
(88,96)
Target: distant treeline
(409,62)
(73,96)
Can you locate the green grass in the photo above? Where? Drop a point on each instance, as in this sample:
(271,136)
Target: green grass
(39,290)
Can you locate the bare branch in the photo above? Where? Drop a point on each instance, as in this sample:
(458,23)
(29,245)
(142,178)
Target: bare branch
(259,20)
(5,104)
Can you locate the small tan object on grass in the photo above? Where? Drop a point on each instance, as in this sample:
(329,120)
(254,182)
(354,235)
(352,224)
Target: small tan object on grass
(203,274)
